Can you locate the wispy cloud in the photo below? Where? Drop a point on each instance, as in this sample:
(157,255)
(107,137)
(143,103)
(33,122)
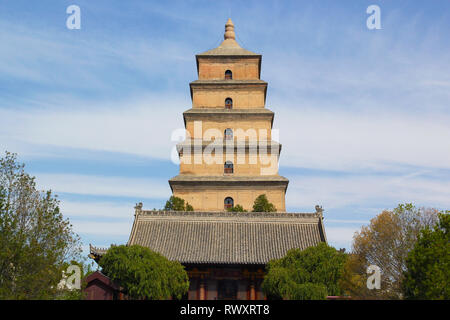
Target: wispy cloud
(96,210)
(109,186)
(340,237)
(133,127)
(341,191)
(102,228)
(337,140)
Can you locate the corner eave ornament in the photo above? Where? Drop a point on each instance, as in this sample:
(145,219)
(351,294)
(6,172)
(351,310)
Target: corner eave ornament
(319,211)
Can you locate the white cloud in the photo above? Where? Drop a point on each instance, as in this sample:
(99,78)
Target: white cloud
(107,186)
(341,191)
(340,236)
(110,210)
(336,140)
(140,127)
(97,228)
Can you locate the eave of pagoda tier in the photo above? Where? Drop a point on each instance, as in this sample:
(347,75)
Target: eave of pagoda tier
(222,117)
(213,94)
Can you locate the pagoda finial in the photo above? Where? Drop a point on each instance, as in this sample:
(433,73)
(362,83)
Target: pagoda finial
(229,30)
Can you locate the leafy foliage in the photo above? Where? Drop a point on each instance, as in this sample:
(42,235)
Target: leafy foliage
(263,205)
(386,243)
(354,278)
(177,204)
(35,239)
(237,208)
(74,294)
(428,264)
(145,274)
(310,274)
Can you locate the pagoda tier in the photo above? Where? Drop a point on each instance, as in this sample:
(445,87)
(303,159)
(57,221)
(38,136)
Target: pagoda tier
(245,94)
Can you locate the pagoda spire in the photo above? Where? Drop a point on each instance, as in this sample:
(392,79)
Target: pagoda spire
(229,36)
(229,30)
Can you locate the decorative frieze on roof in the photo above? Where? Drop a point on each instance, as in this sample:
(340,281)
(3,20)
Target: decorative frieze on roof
(248,216)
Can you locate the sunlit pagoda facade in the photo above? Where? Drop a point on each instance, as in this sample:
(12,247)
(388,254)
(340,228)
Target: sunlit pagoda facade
(229,124)
(227,159)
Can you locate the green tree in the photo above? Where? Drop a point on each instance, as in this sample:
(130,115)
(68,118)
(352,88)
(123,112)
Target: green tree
(385,242)
(263,205)
(354,279)
(74,294)
(144,273)
(177,204)
(310,274)
(35,239)
(237,208)
(428,264)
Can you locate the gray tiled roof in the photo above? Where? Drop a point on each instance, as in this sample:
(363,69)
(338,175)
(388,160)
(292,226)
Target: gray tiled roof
(223,237)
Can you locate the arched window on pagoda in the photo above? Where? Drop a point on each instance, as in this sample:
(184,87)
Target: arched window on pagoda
(228,203)
(228,167)
(228,134)
(228,75)
(228,103)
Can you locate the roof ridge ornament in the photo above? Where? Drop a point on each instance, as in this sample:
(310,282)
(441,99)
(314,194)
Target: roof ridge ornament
(138,209)
(319,211)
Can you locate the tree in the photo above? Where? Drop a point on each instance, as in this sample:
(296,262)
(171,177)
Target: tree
(236,208)
(354,279)
(310,274)
(385,242)
(35,239)
(428,264)
(64,293)
(177,204)
(263,205)
(144,274)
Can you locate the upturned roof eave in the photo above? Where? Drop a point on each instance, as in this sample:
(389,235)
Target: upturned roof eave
(204,112)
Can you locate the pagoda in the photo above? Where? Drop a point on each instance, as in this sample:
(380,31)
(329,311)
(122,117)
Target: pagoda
(227,159)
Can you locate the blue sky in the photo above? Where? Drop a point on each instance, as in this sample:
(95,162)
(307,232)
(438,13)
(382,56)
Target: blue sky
(363,114)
